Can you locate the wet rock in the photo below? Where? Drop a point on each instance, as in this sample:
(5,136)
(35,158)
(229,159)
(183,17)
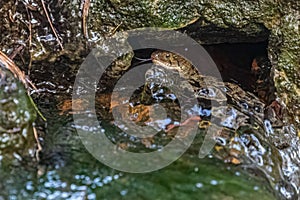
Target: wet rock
(217,22)
(222,21)
(252,18)
(16,117)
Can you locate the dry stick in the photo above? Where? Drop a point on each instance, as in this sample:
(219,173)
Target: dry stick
(16,51)
(85,13)
(39,146)
(114,30)
(51,25)
(9,64)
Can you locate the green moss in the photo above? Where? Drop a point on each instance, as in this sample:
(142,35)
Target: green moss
(16,116)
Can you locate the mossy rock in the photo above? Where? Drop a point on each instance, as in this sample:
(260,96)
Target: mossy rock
(17,115)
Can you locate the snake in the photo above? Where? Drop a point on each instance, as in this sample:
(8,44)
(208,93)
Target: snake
(242,100)
(241,133)
(243,109)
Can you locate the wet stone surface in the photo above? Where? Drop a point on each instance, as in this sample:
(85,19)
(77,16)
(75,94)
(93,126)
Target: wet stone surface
(16,119)
(266,151)
(244,137)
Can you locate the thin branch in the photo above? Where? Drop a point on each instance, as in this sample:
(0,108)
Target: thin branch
(85,13)
(39,146)
(51,25)
(10,65)
(16,51)
(112,32)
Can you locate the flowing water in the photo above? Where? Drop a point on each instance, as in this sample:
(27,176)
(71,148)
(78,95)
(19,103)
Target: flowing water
(67,171)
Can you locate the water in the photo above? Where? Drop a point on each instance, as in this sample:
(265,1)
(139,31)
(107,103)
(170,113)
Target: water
(67,171)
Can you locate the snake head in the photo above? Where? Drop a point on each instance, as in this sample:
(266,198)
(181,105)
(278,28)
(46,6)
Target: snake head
(167,59)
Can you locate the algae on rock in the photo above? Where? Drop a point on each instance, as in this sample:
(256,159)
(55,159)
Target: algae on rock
(17,115)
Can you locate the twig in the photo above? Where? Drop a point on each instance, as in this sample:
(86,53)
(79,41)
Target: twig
(39,146)
(112,32)
(16,51)
(36,108)
(51,25)
(10,65)
(85,13)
